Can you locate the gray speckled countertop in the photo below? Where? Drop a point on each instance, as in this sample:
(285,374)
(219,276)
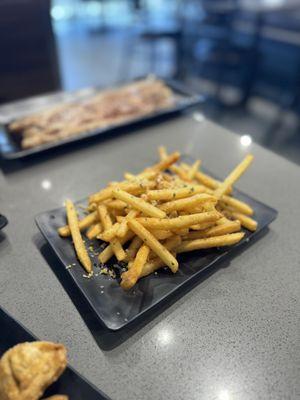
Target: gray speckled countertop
(233,336)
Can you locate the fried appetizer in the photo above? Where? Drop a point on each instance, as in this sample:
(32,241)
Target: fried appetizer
(27,369)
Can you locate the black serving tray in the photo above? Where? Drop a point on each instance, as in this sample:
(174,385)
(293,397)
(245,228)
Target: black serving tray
(117,308)
(10,149)
(71,383)
(3,221)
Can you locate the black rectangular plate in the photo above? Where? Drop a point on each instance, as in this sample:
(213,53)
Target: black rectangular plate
(70,383)
(117,308)
(11,150)
(3,221)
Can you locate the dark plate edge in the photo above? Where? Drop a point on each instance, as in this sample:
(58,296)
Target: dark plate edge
(3,221)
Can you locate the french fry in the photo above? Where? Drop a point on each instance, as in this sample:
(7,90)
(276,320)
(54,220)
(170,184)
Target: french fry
(175,194)
(162,152)
(108,252)
(154,244)
(188,202)
(135,244)
(93,231)
(110,233)
(80,249)
(245,221)
(156,263)
(83,224)
(181,231)
(107,225)
(130,277)
(181,173)
(123,227)
(184,221)
(234,176)
(104,217)
(170,244)
(193,170)
(116,205)
(152,266)
(161,234)
(237,205)
(216,241)
(138,204)
(204,225)
(209,182)
(118,249)
(166,163)
(130,187)
(228,227)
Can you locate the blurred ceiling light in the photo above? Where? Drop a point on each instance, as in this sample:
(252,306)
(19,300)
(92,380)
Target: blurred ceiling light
(198,117)
(224,395)
(246,140)
(46,184)
(164,336)
(58,13)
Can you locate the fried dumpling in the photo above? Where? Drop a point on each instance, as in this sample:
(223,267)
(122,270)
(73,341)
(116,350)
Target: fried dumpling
(27,369)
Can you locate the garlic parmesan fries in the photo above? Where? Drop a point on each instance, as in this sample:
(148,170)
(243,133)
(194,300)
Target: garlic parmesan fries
(166,209)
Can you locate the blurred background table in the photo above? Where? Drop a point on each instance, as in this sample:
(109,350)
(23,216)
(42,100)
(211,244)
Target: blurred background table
(243,55)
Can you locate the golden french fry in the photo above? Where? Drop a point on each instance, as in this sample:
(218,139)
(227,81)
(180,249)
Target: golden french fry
(83,224)
(152,266)
(110,233)
(162,152)
(170,244)
(118,249)
(156,263)
(181,231)
(193,169)
(184,221)
(80,249)
(123,227)
(175,194)
(161,234)
(237,205)
(104,217)
(107,253)
(246,221)
(234,176)
(130,277)
(228,227)
(204,225)
(116,204)
(180,172)
(209,182)
(93,231)
(154,244)
(130,187)
(135,244)
(107,225)
(139,204)
(188,202)
(215,241)
(166,163)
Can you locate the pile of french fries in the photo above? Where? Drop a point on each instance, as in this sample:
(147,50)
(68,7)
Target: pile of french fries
(167,209)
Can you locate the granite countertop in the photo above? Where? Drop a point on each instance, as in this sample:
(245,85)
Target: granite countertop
(233,336)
